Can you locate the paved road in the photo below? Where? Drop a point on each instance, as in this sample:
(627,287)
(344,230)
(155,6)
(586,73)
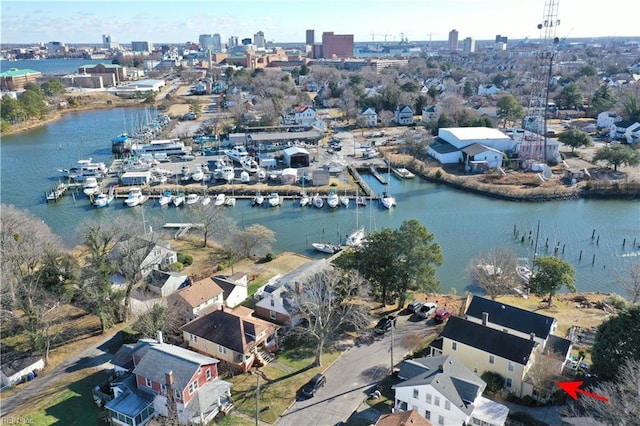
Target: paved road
(352,378)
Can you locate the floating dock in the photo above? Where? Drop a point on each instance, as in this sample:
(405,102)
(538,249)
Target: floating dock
(56,192)
(377,175)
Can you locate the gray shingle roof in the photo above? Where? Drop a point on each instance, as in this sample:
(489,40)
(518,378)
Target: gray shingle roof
(489,340)
(182,362)
(445,374)
(511,317)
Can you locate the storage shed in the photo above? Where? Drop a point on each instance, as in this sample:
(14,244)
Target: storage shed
(135,178)
(296,157)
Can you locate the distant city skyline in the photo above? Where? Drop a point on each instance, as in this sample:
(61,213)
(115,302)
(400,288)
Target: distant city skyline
(286,21)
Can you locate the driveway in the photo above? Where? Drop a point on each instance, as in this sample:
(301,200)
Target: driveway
(352,378)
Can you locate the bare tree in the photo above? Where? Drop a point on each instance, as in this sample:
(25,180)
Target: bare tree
(386,117)
(631,282)
(328,303)
(623,395)
(495,272)
(215,224)
(255,237)
(543,373)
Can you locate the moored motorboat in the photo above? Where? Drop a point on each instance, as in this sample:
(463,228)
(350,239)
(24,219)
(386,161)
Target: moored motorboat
(220,199)
(356,238)
(524,273)
(344,200)
(165,198)
(361,201)
(274,199)
(178,199)
(206,200)
(230,201)
(387,200)
(135,197)
(317,201)
(258,199)
(90,186)
(103,200)
(326,247)
(244,177)
(332,199)
(191,199)
(304,200)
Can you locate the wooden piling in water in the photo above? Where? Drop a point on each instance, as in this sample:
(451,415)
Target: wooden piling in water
(593,260)
(580,257)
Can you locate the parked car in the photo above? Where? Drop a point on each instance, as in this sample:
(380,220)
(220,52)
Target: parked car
(414,306)
(313,385)
(384,324)
(427,310)
(442,315)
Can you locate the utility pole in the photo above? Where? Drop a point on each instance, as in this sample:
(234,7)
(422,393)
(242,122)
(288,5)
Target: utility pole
(393,325)
(257,396)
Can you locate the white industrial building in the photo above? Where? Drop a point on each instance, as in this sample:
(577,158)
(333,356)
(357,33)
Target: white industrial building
(473,146)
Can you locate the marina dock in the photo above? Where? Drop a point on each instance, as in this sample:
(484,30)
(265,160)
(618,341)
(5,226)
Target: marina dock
(56,192)
(378,176)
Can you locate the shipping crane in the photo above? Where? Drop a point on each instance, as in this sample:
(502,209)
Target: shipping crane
(534,147)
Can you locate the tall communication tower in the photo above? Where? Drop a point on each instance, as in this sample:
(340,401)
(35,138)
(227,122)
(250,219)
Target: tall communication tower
(534,145)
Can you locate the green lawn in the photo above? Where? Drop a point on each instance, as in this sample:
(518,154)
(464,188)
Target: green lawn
(279,386)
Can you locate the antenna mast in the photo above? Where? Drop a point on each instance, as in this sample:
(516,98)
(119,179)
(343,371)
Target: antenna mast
(534,145)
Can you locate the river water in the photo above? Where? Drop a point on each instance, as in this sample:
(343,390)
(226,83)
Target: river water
(464,224)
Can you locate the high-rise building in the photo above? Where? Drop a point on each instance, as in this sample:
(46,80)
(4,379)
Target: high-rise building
(234,41)
(217,43)
(258,40)
(206,42)
(337,45)
(311,38)
(108,43)
(469,45)
(501,42)
(142,46)
(453,40)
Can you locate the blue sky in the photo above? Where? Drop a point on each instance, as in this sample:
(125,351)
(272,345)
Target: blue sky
(163,21)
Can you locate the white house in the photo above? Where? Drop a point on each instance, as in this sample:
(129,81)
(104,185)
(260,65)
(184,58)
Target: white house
(487,89)
(445,392)
(151,254)
(301,115)
(234,288)
(461,137)
(429,113)
(607,118)
(404,115)
(449,146)
(626,130)
(369,116)
(164,283)
(478,157)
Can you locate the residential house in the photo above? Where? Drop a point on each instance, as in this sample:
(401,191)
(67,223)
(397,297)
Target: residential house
(488,90)
(168,380)
(445,392)
(607,118)
(625,130)
(151,254)
(403,115)
(234,288)
(429,113)
(197,299)
(506,340)
(165,283)
(402,418)
(301,115)
(276,298)
(369,116)
(232,336)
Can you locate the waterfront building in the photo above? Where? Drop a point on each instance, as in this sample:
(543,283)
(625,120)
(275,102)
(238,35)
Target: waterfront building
(337,45)
(15,79)
(453,40)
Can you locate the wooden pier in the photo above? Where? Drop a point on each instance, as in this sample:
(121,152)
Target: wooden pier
(56,192)
(378,176)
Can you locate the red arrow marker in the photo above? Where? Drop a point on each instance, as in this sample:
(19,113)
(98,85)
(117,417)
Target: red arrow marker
(573,389)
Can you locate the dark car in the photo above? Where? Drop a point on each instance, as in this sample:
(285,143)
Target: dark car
(313,385)
(442,315)
(384,324)
(414,306)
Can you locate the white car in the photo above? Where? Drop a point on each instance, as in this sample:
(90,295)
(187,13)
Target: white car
(427,310)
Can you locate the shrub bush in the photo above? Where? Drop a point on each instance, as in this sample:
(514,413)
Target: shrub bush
(494,381)
(268,257)
(185,259)
(176,267)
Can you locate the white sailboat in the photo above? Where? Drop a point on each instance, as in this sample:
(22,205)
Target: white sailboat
(165,198)
(274,199)
(304,200)
(191,198)
(388,201)
(317,201)
(258,199)
(220,199)
(344,200)
(332,199)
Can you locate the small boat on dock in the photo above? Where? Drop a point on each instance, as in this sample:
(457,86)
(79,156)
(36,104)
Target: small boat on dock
(326,248)
(178,199)
(191,199)
(103,200)
(317,201)
(135,197)
(403,173)
(304,200)
(332,199)
(220,200)
(165,198)
(274,199)
(258,199)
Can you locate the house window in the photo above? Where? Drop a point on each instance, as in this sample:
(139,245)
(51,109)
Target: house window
(447,405)
(508,383)
(436,401)
(416,394)
(475,371)
(163,388)
(512,366)
(428,398)
(208,374)
(193,338)
(177,394)
(147,382)
(427,414)
(222,349)
(272,315)
(454,346)
(193,386)
(491,359)
(273,302)
(440,420)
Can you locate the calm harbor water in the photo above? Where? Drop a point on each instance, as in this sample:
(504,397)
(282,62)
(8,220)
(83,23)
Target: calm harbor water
(463,224)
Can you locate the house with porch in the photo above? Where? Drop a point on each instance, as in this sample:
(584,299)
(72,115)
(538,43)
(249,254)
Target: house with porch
(403,115)
(625,130)
(369,116)
(197,299)
(232,336)
(170,381)
(445,392)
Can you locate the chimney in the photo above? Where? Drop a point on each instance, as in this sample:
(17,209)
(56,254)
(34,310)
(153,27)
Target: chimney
(159,337)
(532,336)
(485,318)
(441,368)
(298,288)
(168,374)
